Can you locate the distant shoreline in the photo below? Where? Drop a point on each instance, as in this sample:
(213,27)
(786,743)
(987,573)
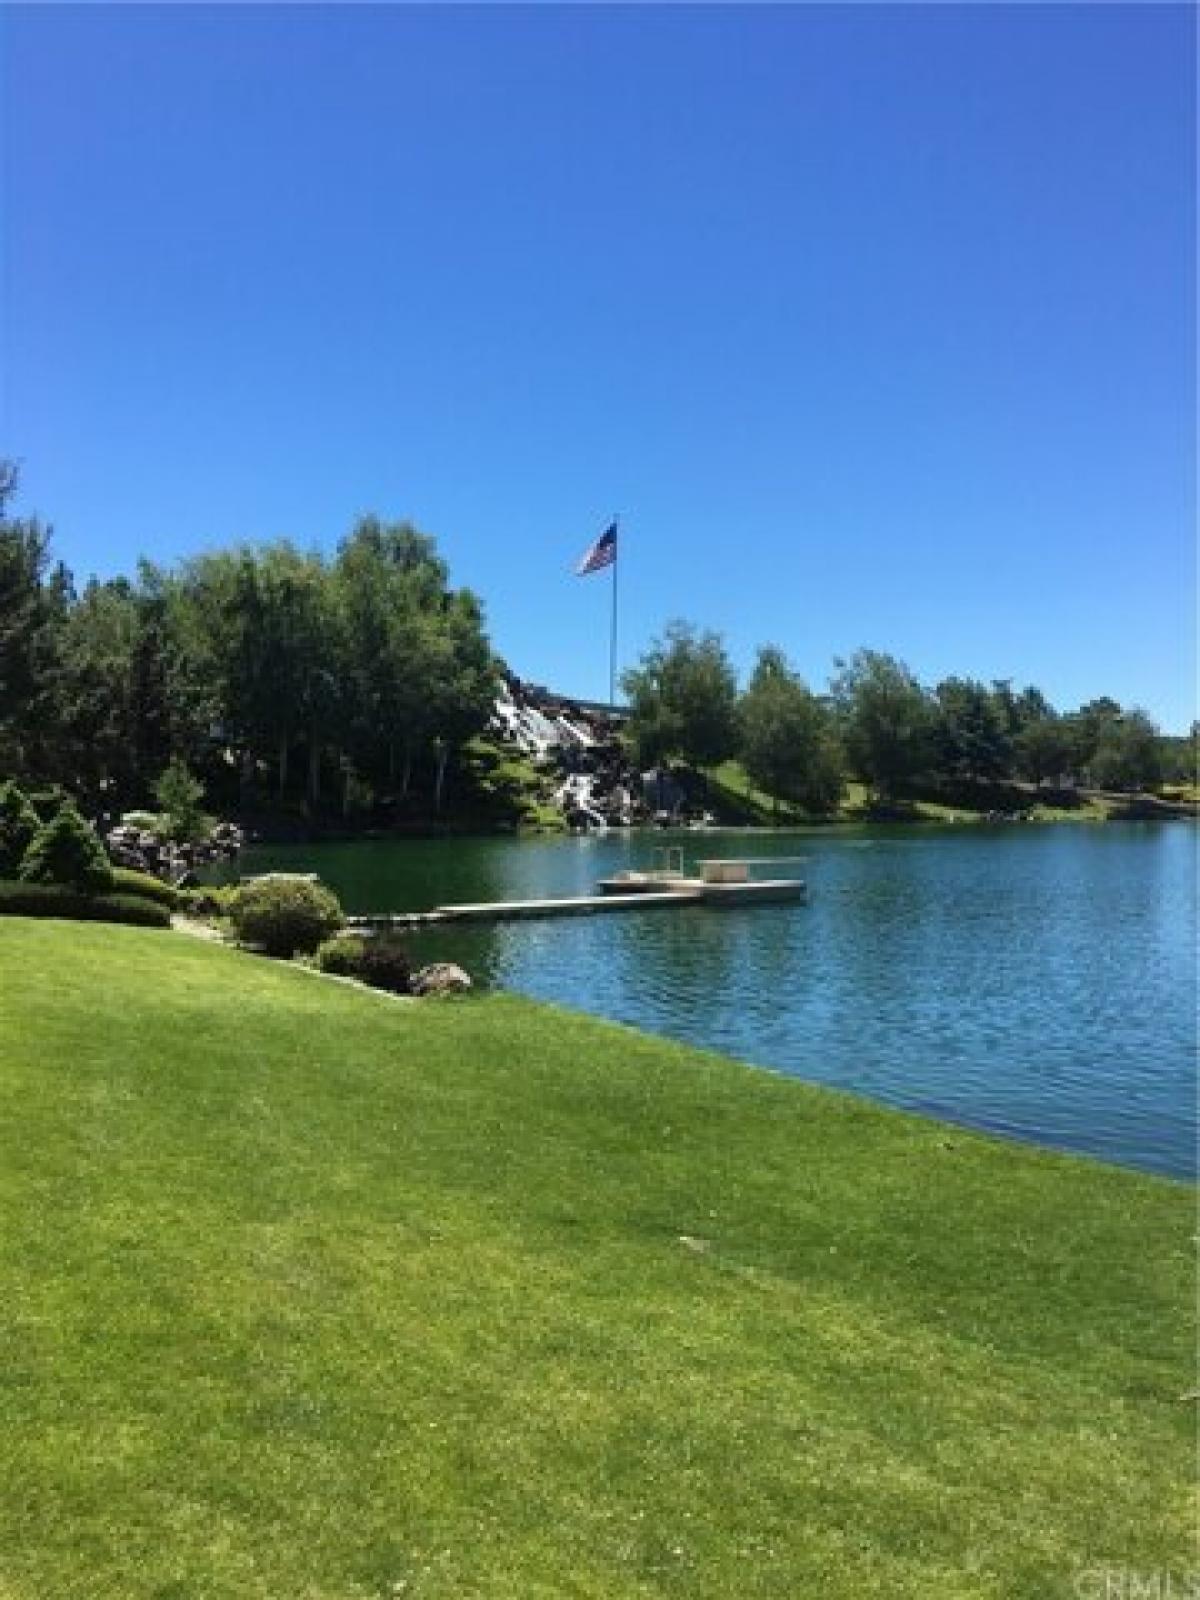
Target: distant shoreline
(266,836)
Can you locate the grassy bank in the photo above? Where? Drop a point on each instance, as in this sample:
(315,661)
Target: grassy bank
(737,799)
(313,1293)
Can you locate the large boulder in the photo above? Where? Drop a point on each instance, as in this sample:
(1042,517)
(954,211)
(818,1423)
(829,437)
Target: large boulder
(443,977)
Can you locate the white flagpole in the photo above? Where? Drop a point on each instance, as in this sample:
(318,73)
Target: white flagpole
(612,640)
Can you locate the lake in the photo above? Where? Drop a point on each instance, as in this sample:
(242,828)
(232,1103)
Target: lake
(1038,982)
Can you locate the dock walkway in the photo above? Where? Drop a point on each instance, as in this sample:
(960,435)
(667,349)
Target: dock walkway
(683,892)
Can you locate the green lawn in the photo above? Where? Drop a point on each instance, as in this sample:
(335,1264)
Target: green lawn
(738,800)
(729,789)
(308,1293)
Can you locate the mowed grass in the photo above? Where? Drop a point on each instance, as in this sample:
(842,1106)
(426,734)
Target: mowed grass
(739,799)
(310,1293)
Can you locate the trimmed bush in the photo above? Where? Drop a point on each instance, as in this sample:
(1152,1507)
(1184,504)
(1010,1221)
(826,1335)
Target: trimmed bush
(66,850)
(386,963)
(341,956)
(56,900)
(146,885)
(283,914)
(19,822)
(381,960)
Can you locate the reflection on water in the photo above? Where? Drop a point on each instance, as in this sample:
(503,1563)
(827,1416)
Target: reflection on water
(1035,981)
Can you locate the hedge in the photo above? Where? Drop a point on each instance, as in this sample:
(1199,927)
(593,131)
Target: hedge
(146,886)
(56,900)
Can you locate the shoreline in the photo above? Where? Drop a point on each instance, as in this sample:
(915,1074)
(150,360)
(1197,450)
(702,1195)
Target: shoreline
(640,830)
(939,1121)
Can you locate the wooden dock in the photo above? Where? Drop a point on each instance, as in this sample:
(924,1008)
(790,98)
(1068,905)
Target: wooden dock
(576,906)
(519,910)
(683,892)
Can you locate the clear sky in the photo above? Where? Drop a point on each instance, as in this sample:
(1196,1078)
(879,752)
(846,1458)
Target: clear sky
(877,324)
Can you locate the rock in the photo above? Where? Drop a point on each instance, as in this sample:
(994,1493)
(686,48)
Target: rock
(443,977)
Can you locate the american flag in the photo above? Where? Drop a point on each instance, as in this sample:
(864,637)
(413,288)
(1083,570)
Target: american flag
(601,554)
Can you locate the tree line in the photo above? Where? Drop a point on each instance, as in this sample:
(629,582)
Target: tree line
(281,676)
(288,679)
(877,723)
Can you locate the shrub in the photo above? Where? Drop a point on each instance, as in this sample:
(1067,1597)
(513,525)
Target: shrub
(55,900)
(382,960)
(209,900)
(66,850)
(342,956)
(145,884)
(386,964)
(19,822)
(283,914)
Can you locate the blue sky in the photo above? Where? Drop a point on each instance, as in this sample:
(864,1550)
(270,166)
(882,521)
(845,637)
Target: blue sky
(877,324)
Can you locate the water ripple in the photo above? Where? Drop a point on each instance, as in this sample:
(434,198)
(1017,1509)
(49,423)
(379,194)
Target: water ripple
(1037,982)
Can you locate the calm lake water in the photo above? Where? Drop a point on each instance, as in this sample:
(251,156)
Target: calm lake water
(1039,982)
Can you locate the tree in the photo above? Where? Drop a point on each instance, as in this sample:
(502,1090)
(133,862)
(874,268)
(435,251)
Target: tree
(787,740)
(302,667)
(173,698)
(33,602)
(971,731)
(132,689)
(1088,727)
(392,593)
(1030,706)
(95,691)
(683,699)
(362,662)
(886,721)
(1128,753)
(217,602)
(269,617)
(181,797)
(463,691)
(1179,756)
(19,822)
(66,850)
(1044,748)
(418,671)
